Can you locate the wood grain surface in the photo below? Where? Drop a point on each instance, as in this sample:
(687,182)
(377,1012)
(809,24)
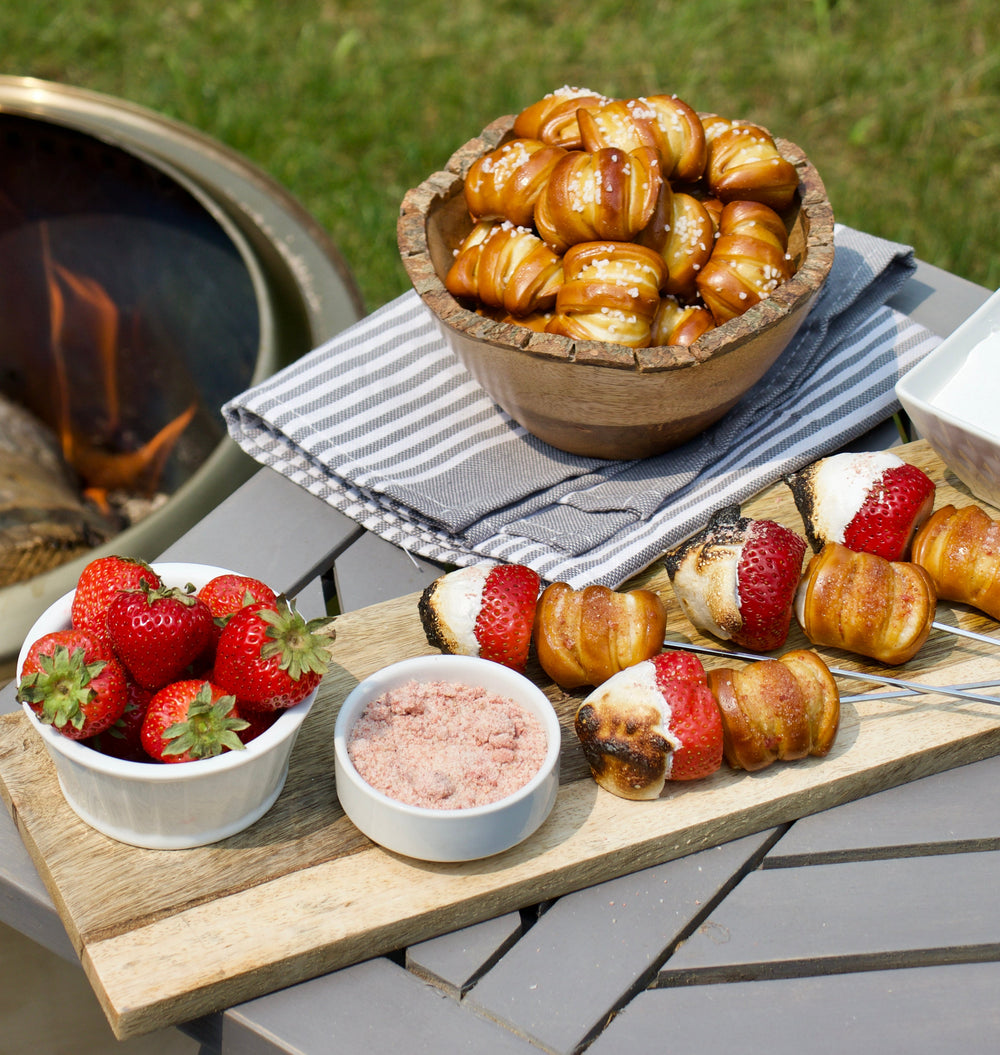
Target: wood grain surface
(165,936)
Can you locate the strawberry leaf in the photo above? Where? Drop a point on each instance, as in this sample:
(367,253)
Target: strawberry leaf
(62,687)
(301,647)
(209,729)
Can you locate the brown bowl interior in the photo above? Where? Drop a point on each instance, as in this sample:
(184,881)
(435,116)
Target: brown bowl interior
(594,398)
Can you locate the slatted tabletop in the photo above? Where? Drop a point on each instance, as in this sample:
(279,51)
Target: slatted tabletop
(872,924)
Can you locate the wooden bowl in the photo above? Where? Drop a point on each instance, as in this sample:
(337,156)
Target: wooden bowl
(595,398)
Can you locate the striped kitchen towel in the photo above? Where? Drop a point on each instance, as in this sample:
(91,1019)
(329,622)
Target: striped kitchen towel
(384,423)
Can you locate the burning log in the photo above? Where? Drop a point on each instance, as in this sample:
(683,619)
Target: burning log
(44,521)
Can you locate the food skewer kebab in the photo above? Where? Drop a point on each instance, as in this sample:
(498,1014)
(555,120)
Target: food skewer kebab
(740,580)
(860,675)
(668,719)
(580,637)
(870,501)
(737,578)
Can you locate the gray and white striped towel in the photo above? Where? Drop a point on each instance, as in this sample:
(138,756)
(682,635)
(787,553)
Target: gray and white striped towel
(384,423)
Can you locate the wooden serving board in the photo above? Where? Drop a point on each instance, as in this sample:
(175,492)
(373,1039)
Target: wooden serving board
(165,936)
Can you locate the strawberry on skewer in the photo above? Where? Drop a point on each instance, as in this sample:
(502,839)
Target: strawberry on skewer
(486,610)
(958,692)
(650,723)
(870,502)
(737,578)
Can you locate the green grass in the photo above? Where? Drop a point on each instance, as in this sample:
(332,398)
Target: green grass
(350,104)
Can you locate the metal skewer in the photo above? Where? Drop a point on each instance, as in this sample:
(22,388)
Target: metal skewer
(985,638)
(899,683)
(893,694)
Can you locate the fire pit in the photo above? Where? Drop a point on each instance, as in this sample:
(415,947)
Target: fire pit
(158,273)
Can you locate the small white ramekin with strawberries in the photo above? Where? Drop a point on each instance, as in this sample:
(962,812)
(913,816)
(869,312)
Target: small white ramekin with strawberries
(169,697)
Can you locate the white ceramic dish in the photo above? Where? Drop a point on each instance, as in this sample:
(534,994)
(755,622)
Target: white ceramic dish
(438,834)
(168,807)
(952,399)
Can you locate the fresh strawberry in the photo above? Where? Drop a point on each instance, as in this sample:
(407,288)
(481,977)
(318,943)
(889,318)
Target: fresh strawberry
(228,593)
(158,633)
(768,574)
(72,682)
(257,722)
(269,657)
(507,615)
(893,510)
(95,647)
(695,719)
(123,738)
(99,583)
(191,719)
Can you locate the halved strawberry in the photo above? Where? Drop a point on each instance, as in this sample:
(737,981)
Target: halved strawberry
(507,615)
(483,610)
(868,501)
(768,574)
(695,719)
(737,578)
(682,665)
(650,723)
(895,507)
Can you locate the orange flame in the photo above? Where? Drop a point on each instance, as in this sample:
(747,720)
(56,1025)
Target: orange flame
(133,470)
(80,308)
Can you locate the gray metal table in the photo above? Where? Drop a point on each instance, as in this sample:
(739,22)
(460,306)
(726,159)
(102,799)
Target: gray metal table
(873,924)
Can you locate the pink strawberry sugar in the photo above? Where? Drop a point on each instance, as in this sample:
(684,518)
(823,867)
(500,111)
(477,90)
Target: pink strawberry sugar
(446,746)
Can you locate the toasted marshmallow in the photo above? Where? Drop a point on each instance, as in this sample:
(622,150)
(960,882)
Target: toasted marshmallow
(450,607)
(830,492)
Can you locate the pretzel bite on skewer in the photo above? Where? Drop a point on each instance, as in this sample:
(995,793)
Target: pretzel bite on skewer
(583,637)
(960,550)
(776,709)
(866,604)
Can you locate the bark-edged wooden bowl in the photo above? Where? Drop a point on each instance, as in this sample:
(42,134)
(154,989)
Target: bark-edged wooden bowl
(594,398)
